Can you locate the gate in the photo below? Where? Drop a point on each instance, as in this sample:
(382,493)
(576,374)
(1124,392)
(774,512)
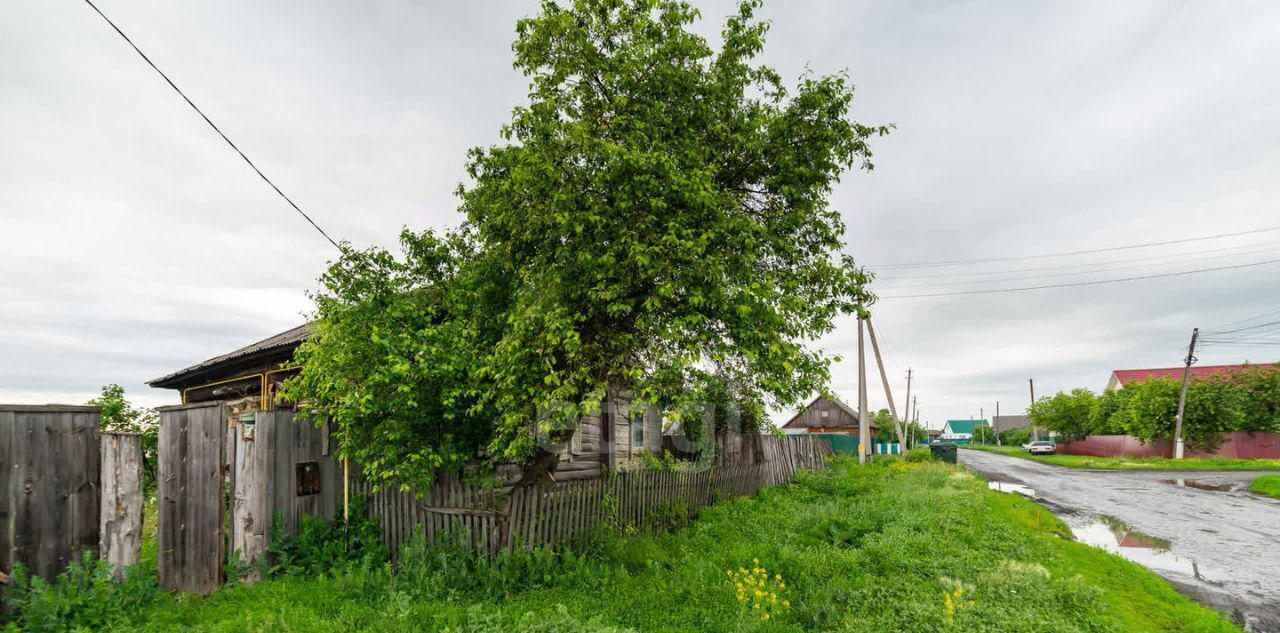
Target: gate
(190,530)
(49,469)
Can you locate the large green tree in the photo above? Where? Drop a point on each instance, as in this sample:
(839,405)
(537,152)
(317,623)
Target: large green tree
(655,220)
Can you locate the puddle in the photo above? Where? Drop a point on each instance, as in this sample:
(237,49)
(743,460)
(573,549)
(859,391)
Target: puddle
(1197,484)
(1153,553)
(1002,486)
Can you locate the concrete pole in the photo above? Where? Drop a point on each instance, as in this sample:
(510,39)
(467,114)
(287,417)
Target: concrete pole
(906,404)
(1035,433)
(1182,397)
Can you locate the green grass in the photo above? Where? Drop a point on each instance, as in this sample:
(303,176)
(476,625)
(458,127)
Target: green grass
(875,548)
(1267,485)
(1135,463)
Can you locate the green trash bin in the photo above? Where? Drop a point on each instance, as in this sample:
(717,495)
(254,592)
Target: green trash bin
(943,452)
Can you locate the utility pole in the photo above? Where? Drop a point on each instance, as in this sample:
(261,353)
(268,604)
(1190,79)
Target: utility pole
(906,404)
(993,423)
(915,420)
(888,394)
(1182,397)
(1035,433)
(864,426)
(982,415)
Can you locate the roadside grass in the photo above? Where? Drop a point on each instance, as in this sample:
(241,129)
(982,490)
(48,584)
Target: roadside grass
(893,546)
(1267,485)
(1135,463)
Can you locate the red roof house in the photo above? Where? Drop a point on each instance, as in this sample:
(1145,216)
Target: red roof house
(1122,377)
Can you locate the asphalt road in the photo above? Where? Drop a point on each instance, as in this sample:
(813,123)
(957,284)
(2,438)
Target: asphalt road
(1224,542)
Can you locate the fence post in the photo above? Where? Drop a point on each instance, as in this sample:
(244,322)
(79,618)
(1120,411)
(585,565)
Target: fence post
(120,512)
(249,515)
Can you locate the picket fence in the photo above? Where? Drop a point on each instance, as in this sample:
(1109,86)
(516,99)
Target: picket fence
(492,519)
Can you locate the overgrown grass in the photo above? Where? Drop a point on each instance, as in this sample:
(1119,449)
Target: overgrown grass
(895,546)
(1135,463)
(1267,485)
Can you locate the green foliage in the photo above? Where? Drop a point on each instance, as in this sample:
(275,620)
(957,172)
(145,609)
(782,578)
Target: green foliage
(1248,400)
(1067,413)
(984,434)
(1266,485)
(883,422)
(1015,437)
(874,548)
(322,547)
(919,454)
(656,220)
(84,597)
(120,416)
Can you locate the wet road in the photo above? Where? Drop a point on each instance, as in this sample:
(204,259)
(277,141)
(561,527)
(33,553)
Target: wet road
(1227,538)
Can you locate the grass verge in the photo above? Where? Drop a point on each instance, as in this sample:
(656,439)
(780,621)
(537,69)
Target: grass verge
(1267,485)
(889,547)
(1135,463)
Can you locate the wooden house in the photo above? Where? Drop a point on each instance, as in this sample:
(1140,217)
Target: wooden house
(826,414)
(248,380)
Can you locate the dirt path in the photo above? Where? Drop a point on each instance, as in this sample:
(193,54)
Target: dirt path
(1224,542)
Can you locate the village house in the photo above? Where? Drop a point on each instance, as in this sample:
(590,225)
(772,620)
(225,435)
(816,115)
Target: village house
(1121,377)
(826,414)
(249,380)
(960,431)
(1002,423)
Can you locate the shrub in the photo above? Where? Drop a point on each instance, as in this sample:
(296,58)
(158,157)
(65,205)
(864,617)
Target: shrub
(322,547)
(919,454)
(83,598)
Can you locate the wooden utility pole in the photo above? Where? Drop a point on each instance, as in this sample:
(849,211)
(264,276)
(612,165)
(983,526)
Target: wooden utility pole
(1182,397)
(906,404)
(1035,433)
(864,424)
(982,415)
(888,394)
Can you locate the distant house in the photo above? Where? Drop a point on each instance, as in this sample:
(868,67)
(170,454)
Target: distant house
(249,379)
(1122,377)
(960,431)
(826,414)
(1002,423)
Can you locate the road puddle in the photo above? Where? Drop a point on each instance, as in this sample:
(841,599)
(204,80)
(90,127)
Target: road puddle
(1197,484)
(1153,553)
(1004,486)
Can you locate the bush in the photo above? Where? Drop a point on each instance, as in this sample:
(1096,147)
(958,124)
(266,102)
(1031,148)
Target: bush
(919,454)
(323,548)
(85,597)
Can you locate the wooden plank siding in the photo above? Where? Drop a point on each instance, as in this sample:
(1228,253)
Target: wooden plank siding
(49,478)
(191,522)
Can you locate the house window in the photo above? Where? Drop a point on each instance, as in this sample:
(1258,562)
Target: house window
(637,432)
(824,414)
(575,444)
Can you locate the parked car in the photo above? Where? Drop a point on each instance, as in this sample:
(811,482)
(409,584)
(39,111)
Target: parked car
(1042,448)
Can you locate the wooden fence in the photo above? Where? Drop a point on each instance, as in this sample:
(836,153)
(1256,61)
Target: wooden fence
(49,473)
(492,519)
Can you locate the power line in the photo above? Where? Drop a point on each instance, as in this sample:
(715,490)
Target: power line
(1244,321)
(1080,283)
(212,125)
(988,260)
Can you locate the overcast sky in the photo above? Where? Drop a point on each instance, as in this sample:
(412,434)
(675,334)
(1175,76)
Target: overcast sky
(135,243)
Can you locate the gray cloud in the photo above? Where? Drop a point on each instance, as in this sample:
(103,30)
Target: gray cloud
(135,243)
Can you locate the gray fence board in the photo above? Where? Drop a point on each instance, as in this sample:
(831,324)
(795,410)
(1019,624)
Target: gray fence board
(49,486)
(191,526)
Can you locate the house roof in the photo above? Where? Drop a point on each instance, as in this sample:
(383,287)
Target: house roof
(285,340)
(965,426)
(1127,376)
(1008,422)
(853,413)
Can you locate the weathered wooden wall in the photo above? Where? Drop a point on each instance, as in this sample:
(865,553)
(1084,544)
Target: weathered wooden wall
(292,446)
(49,501)
(121,523)
(491,519)
(190,529)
